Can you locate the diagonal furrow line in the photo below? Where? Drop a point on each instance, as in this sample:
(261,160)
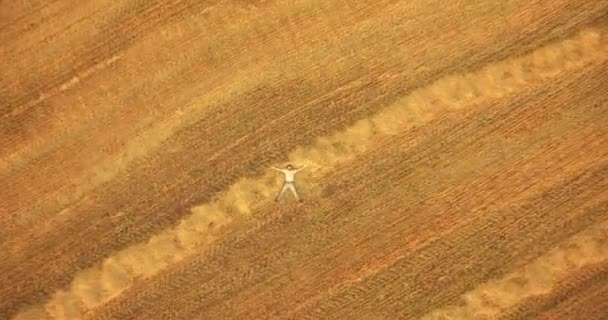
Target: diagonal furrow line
(97,285)
(489,300)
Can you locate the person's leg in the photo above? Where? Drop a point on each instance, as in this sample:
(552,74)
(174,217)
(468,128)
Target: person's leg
(292,188)
(280,194)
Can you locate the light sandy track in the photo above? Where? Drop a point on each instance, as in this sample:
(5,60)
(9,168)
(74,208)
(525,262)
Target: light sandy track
(581,295)
(150,126)
(141,144)
(537,278)
(97,285)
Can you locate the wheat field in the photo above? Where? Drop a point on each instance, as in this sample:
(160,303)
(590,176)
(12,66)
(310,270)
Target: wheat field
(456,153)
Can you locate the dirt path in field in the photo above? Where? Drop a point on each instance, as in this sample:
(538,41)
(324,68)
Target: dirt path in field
(536,279)
(138,162)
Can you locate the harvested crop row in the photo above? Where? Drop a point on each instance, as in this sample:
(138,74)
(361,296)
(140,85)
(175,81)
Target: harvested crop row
(539,277)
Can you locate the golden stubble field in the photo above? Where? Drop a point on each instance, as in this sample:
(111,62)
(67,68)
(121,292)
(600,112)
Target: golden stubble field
(457,159)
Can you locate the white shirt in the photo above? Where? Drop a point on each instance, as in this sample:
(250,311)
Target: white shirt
(289,174)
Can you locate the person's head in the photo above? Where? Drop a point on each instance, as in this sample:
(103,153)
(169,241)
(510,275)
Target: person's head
(289,167)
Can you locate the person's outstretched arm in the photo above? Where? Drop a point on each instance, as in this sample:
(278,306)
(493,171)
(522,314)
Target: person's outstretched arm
(300,168)
(275,168)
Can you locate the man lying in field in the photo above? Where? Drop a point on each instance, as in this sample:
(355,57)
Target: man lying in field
(289,172)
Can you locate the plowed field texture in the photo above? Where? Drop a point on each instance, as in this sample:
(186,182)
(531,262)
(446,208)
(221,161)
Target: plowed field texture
(456,159)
